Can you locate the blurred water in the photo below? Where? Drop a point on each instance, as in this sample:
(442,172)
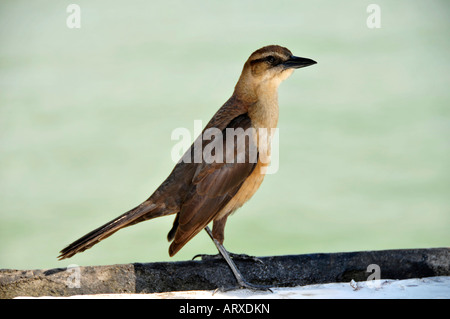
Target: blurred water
(86,117)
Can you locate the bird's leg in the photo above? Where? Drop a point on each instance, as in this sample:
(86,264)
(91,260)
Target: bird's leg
(237,274)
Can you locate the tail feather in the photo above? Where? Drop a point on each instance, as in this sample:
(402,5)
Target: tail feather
(142,212)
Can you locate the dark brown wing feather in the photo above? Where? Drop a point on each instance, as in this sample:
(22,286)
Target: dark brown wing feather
(213,186)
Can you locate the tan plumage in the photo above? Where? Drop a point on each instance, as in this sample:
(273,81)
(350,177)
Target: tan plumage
(200,193)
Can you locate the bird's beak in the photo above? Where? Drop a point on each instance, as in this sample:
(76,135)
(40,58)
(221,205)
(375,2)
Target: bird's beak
(297,63)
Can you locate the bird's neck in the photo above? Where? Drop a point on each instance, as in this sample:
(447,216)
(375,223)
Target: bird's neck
(264,113)
(262,102)
(262,107)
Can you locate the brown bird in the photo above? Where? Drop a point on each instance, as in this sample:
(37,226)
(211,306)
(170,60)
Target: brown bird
(201,191)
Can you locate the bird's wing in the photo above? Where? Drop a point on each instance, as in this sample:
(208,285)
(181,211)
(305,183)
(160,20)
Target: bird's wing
(214,184)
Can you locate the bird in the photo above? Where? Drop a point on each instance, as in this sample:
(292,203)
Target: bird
(199,191)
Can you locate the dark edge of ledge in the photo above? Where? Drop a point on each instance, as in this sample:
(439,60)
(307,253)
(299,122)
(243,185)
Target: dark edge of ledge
(276,271)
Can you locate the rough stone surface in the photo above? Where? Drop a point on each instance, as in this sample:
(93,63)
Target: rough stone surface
(276,271)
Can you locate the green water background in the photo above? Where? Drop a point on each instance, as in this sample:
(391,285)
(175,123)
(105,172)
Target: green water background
(86,117)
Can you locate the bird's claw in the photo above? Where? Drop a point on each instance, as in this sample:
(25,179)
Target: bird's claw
(208,257)
(244,285)
(243,257)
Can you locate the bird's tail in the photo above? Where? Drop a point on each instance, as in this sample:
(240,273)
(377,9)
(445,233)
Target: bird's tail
(146,210)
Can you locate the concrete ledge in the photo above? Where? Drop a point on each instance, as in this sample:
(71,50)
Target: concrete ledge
(276,271)
(423,288)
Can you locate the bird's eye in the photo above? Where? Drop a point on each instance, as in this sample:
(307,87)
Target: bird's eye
(270,59)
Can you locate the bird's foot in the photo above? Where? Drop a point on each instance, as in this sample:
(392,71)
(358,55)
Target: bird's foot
(243,257)
(244,285)
(208,257)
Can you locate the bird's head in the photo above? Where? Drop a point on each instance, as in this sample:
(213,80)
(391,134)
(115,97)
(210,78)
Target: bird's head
(269,66)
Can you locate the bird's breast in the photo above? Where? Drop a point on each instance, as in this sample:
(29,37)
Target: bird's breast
(247,190)
(264,120)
